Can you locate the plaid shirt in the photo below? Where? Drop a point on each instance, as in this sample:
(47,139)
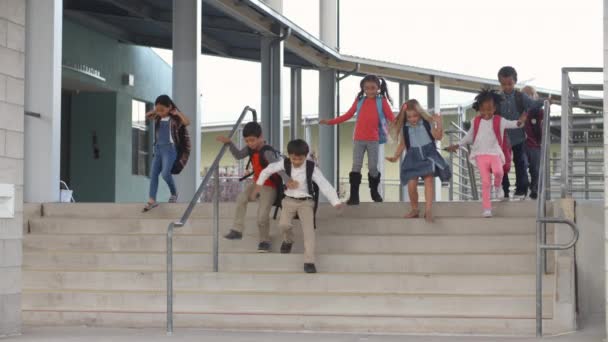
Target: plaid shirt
(180,136)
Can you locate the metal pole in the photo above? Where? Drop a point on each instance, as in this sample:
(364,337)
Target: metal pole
(170,280)
(540,224)
(565,131)
(404,94)
(216,219)
(451,139)
(586,161)
(296,103)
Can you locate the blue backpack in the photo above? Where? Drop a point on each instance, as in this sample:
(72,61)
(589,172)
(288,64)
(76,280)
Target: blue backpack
(382,124)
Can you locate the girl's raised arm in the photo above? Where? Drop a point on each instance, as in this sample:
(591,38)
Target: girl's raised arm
(181,116)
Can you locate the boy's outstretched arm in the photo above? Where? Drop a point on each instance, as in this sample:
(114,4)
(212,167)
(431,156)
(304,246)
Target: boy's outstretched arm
(272,157)
(326,189)
(236,153)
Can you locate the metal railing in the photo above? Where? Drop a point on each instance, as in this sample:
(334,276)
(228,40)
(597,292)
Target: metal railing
(585,163)
(464,180)
(541,221)
(572,98)
(214,169)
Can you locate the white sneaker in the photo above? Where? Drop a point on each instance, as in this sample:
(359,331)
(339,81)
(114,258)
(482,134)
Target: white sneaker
(487,213)
(498,194)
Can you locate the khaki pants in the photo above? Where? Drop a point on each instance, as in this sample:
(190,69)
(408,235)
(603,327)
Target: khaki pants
(266,200)
(306,212)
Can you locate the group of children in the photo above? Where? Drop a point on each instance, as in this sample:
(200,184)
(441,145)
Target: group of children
(506,122)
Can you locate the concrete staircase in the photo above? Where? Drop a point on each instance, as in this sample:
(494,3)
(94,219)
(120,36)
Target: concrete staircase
(104,265)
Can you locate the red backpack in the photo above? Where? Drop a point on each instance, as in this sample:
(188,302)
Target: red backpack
(503,140)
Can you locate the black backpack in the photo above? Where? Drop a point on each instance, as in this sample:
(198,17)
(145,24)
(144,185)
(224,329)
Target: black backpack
(313,188)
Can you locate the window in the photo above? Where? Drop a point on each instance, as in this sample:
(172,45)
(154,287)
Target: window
(140,138)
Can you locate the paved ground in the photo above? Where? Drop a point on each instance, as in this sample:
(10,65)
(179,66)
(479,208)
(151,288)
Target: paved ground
(591,334)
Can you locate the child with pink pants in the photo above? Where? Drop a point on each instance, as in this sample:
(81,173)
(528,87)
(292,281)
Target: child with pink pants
(487,140)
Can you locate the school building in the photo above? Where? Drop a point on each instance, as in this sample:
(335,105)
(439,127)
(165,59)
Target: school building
(78,76)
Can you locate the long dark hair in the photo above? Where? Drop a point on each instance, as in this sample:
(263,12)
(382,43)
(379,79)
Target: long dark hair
(381,82)
(166,101)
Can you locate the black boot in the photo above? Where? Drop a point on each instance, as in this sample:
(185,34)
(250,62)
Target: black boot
(355,181)
(374,182)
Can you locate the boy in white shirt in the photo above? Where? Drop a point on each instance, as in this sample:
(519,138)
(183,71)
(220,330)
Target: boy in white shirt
(299,197)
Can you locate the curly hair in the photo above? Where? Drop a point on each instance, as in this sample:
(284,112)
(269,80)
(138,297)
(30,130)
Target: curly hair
(487,94)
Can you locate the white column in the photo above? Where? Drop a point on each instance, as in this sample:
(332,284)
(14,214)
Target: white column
(186,86)
(606,144)
(295,121)
(43,96)
(271,59)
(434,106)
(328,25)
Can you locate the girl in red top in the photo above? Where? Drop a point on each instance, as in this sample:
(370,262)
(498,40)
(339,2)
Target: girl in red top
(371,129)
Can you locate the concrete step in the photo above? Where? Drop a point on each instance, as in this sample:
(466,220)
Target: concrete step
(343,226)
(363,324)
(343,304)
(370,244)
(205,210)
(387,283)
(465,263)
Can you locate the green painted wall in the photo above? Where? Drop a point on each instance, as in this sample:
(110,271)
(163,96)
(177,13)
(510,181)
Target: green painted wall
(93,179)
(113,59)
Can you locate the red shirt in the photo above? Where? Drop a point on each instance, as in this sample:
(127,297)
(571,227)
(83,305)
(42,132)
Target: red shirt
(257,169)
(366,128)
(534,125)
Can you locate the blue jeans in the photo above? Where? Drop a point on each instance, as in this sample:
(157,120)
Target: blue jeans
(521,172)
(533,155)
(164,157)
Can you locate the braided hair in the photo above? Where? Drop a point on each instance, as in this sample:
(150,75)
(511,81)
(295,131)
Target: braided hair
(487,94)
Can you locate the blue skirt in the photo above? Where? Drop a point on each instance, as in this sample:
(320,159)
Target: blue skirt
(424,161)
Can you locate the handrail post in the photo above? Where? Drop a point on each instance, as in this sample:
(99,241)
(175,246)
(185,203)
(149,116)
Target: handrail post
(540,214)
(216,219)
(451,195)
(170,230)
(542,220)
(170,279)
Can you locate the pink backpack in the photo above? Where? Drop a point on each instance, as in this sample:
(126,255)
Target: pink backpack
(503,140)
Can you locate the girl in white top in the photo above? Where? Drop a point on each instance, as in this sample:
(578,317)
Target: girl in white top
(487,138)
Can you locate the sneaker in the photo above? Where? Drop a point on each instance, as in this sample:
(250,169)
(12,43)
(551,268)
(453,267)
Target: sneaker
(173,199)
(498,194)
(310,268)
(487,213)
(233,235)
(264,247)
(520,196)
(286,247)
(533,195)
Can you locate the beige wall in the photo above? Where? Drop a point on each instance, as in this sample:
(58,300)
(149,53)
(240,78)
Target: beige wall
(12,59)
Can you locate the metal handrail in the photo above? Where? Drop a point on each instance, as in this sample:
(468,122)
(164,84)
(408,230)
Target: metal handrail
(467,166)
(214,169)
(541,222)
